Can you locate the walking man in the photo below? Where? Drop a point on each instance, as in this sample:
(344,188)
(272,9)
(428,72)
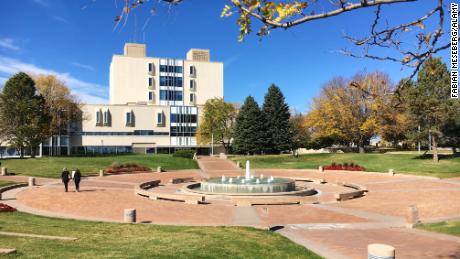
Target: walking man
(77,179)
(65,176)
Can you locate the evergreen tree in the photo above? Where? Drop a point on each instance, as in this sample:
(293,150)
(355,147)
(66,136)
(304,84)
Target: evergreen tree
(25,121)
(276,114)
(429,101)
(249,130)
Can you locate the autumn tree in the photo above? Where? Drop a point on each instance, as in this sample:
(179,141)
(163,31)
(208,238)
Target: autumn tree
(276,114)
(217,122)
(300,133)
(23,113)
(249,135)
(348,116)
(61,104)
(429,101)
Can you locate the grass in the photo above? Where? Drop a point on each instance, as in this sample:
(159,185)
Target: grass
(446,227)
(6,183)
(449,166)
(52,166)
(112,240)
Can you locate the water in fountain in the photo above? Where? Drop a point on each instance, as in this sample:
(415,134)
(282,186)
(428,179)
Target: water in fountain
(248,172)
(248,184)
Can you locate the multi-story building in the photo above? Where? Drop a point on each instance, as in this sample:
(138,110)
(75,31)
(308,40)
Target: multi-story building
(155,105)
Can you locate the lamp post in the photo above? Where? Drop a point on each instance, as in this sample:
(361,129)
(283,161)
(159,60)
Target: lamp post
(212,144)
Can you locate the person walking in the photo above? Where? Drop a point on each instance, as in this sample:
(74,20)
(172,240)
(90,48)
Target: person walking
(65,176)
(77,178)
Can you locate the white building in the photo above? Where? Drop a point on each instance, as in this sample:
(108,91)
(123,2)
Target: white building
(155,104)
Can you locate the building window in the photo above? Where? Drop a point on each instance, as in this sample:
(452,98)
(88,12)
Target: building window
(107,118)
(150,67)
(130,119)
(192,84)
(166,95)
(99,118)
(170,81)
(160,120)
(150,81)
(170,69)
(150,96)
(192,99)
(192,71)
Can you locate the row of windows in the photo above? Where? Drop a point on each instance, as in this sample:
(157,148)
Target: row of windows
(170,69)
(186,118)
(129,117)
(103,118)
(166,95)
(184,131)
(171,81)
(121,133)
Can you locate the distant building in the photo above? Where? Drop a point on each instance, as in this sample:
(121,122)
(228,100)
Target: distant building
(155,105)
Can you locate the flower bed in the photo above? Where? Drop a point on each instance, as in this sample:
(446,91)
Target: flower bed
(126,168)
(6,208)
(344,166)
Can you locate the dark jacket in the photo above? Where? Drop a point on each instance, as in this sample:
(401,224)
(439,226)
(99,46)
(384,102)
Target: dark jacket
(65,176)
(77,176)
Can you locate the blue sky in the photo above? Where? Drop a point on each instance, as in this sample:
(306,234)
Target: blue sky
(75,40)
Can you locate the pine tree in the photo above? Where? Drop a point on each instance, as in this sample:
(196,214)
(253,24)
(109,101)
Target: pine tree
(249,130)
(278,128)
(25,121)
(429,101)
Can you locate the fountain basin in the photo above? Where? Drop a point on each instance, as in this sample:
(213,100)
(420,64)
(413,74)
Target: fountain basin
(253,185)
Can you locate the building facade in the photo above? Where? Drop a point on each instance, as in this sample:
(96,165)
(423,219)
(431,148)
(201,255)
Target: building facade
(155,103)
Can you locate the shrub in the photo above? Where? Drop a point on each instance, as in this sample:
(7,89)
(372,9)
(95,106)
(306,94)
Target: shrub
(126,168)
(185,153)
(6,208)
(345,166)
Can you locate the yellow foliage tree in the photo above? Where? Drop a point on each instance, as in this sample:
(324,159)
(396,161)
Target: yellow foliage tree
(351,112)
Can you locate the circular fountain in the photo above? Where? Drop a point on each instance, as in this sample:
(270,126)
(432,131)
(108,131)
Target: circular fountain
(249,184)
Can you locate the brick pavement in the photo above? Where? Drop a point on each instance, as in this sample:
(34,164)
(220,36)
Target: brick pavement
(333,230)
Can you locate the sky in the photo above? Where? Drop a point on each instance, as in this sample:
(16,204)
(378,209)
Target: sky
(76,40)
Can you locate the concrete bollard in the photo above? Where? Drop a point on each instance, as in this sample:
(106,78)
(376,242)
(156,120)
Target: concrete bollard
(159,169)
(238,164)
(101,173)
(129,216)
(391,172)
(222,156)
(380,251)
(31,181)
(321,169)
(195,157)
(412,216)
(4,171)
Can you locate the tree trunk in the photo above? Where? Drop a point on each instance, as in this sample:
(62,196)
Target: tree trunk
(21,152)
(434,148)
(32,152)
(454,150)
(361,148)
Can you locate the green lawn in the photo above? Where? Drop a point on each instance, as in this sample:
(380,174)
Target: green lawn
(52,166)
(402,163)
(5,183)
(446,227)
(111,240)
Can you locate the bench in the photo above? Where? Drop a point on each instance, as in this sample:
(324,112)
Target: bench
(348,195)
(149,185)
(181,180)
(10,187)
(274,200)
(189,199)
